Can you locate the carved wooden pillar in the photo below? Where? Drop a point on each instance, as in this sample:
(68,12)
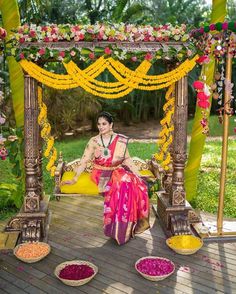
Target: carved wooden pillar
(172,208)
(179,155)
(31,135)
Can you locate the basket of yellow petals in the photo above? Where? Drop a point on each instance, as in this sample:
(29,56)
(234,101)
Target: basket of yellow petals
(184,244)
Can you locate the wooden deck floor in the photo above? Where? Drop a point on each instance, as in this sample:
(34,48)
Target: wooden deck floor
(76,233)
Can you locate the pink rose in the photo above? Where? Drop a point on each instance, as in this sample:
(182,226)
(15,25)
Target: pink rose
(42,51)
(107,51)
(198,85)
(21,55)
(72,53)
(134,58)
(46,39)
(91,55)
(148,56)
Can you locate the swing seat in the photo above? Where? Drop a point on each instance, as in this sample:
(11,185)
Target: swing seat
(84,185)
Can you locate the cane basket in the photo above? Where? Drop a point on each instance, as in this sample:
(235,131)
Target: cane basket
(74,283)
(184,244)
(27,247)
(156,277)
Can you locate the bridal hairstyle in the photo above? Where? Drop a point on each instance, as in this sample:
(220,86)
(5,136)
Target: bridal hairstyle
(108,117)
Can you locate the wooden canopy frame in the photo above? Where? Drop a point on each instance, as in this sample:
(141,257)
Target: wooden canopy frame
(172,207)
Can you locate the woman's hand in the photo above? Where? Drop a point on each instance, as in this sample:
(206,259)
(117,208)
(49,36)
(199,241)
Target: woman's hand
(68,182)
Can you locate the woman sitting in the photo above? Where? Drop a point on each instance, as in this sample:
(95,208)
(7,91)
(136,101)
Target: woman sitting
(126,202)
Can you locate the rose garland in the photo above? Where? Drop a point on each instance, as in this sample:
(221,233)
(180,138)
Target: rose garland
(50,151)
(165,135)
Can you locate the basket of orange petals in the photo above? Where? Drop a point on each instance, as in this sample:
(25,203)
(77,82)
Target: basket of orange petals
(76,272)
(32,252)
(184,244)
(154,268)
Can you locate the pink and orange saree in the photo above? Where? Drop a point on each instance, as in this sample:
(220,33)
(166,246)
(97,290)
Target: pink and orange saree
(126,202)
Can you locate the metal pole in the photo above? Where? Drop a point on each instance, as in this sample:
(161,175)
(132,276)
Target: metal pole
(224,145)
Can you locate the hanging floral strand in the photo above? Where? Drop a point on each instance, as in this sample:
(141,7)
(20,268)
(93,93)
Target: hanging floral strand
(50,151)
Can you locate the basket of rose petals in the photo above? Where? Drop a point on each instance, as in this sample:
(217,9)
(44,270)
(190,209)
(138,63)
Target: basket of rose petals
(32,252)
(154,268)
(75,272)
(184,244)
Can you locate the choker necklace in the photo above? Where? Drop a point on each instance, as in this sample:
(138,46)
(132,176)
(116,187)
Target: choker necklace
(106,151)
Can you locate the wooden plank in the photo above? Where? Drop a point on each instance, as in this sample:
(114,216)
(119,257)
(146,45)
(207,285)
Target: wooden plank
(67,214)
(209,257)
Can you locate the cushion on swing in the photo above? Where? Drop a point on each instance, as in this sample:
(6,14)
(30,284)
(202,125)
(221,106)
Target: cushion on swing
(147,173)
(84,184)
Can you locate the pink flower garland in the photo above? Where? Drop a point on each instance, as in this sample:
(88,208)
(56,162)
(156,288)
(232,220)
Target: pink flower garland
(203,95)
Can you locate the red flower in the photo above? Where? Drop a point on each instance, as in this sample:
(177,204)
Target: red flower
(22,40)
(201,30)
(202,96)
(46,39)
(32,34)
(198,85)
(3,33)
(81,36)
(148,56)
(62,54)
(224,26)
(91,55)
(21,55)
(212,27)
(203,104)
(42,51)
(203,59)
(107,51)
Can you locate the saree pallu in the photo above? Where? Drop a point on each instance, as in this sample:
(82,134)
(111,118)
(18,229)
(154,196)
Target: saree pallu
(126,202)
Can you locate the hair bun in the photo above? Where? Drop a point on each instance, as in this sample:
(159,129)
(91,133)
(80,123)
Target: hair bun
(106,114)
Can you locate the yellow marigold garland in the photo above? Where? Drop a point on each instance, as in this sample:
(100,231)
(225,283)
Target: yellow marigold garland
(165,135)
(50,151)
(127,80)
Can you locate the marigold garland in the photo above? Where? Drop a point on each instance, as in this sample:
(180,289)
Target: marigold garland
(165,135)
(127,80)
(50,151)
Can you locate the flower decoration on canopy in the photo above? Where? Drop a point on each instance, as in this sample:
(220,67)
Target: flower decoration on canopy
(216,38)
(113,34)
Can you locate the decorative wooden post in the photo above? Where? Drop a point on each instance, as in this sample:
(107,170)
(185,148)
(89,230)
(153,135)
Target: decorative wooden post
(171,205)
(33,218)
(31,136)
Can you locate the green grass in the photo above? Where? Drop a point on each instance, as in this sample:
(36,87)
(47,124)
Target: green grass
(209,179)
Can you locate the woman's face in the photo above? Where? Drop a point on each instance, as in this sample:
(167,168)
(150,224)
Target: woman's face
(104,126)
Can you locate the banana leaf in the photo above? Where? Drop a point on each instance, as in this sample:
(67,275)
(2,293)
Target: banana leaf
(197,138)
